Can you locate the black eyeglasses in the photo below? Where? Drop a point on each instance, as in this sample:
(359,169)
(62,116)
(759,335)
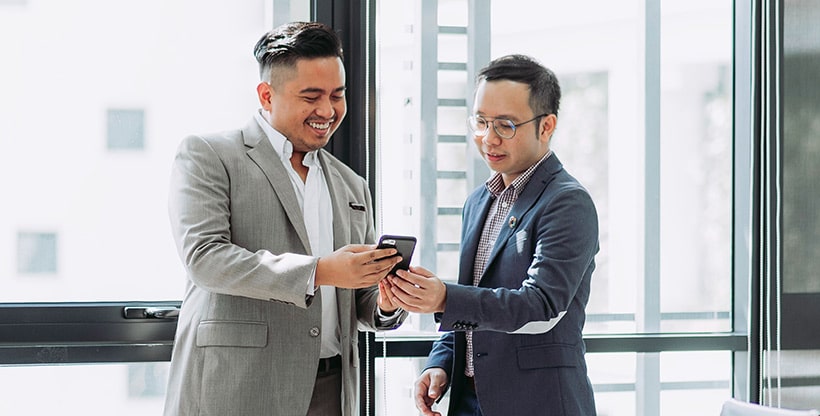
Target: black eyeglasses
(503,127)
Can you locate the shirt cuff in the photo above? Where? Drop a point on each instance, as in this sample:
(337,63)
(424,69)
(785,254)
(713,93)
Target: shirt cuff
(311,284)
(386,317)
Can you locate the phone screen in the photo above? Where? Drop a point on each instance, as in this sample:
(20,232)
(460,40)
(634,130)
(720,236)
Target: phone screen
(405,246)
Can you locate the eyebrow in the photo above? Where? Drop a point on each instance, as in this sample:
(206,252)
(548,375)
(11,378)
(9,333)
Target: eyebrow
(502,116)
(313,90)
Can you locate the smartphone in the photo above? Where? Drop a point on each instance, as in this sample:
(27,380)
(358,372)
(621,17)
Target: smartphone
(405,246)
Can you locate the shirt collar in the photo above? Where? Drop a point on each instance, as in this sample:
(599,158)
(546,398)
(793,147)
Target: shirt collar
(496,183)
(281,144)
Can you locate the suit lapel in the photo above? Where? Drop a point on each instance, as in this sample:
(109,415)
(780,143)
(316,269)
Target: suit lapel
(472,235)
(262,153)
(338,197)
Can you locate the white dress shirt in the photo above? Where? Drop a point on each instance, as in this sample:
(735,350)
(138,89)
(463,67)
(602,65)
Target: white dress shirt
(317,209)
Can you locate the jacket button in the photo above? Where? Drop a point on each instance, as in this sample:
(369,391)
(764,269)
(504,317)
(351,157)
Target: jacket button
(314,332)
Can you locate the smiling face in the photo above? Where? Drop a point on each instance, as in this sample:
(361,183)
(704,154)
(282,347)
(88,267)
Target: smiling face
(306,104)
(510,100)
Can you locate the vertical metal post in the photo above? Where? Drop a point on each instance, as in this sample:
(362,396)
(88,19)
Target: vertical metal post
(744,249)
(428,108)
(648,316)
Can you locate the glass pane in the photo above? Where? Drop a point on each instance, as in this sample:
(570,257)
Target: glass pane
(599,54)
(91,390)
(696,165)
(695,383)
(127,80)
(395,378)
(692,383)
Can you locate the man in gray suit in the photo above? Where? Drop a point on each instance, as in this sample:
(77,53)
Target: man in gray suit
(276,236)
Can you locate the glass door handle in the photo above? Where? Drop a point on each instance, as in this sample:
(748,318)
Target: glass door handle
(151,312)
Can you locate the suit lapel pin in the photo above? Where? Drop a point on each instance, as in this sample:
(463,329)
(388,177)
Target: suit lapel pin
(513,220)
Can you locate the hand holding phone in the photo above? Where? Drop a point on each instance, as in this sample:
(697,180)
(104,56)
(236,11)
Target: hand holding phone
(403,244)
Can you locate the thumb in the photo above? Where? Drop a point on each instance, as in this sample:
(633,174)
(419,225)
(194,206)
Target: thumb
(433,391)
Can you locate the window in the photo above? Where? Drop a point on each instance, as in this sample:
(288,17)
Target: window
(645,124)
(96,95)
(126,129)
(36,253)
(138,80)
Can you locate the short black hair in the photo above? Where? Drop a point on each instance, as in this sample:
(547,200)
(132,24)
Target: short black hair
(286,44)
(545,92)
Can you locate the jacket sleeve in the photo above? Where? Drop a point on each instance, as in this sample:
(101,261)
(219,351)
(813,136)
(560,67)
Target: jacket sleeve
(441,355)
(200,210)
(536,274)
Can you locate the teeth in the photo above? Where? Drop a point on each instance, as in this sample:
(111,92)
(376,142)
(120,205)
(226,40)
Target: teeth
(322,126)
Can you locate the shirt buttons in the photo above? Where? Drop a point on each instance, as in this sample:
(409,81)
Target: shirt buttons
(314,332)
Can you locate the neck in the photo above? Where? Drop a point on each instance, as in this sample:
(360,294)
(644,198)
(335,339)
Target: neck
(296,160)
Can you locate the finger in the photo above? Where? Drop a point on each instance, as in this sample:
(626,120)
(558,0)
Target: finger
(357,248)
(426,409)
(410,303)
(408,277)
(382,264)
(385,294)
(419,280)
(399,299)
(380,268)
(387,286)
(421,271)
(382,253)
(404,289)
(423,403)
(433,392)
(413,286)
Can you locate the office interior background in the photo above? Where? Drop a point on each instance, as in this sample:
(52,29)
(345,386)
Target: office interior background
(693,123)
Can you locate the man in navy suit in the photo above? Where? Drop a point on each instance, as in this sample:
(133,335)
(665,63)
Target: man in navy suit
(514,344)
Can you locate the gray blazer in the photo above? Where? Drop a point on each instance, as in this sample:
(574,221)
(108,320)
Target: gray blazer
(247,341)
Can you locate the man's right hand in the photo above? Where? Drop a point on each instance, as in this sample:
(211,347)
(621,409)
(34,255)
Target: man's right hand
(429,388)
(355,266)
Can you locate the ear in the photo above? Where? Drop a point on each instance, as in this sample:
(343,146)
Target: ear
(264,92)
(547,127)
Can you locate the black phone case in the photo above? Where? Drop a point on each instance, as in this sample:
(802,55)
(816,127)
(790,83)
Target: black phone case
(404,244)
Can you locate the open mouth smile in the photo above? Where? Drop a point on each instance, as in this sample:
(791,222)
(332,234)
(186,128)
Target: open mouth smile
(321,126)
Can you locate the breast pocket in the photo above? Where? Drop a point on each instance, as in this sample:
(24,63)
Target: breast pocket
(357,218)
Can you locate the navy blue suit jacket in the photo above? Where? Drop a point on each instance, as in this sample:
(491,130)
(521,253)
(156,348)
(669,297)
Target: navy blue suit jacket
(527,313)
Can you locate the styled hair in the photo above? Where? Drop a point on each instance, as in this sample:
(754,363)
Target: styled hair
(283,46)
(545,93)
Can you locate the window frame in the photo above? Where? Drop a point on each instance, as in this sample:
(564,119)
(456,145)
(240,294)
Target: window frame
(85,332)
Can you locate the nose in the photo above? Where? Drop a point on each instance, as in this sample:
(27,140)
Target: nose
(324,108)
(491,138)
